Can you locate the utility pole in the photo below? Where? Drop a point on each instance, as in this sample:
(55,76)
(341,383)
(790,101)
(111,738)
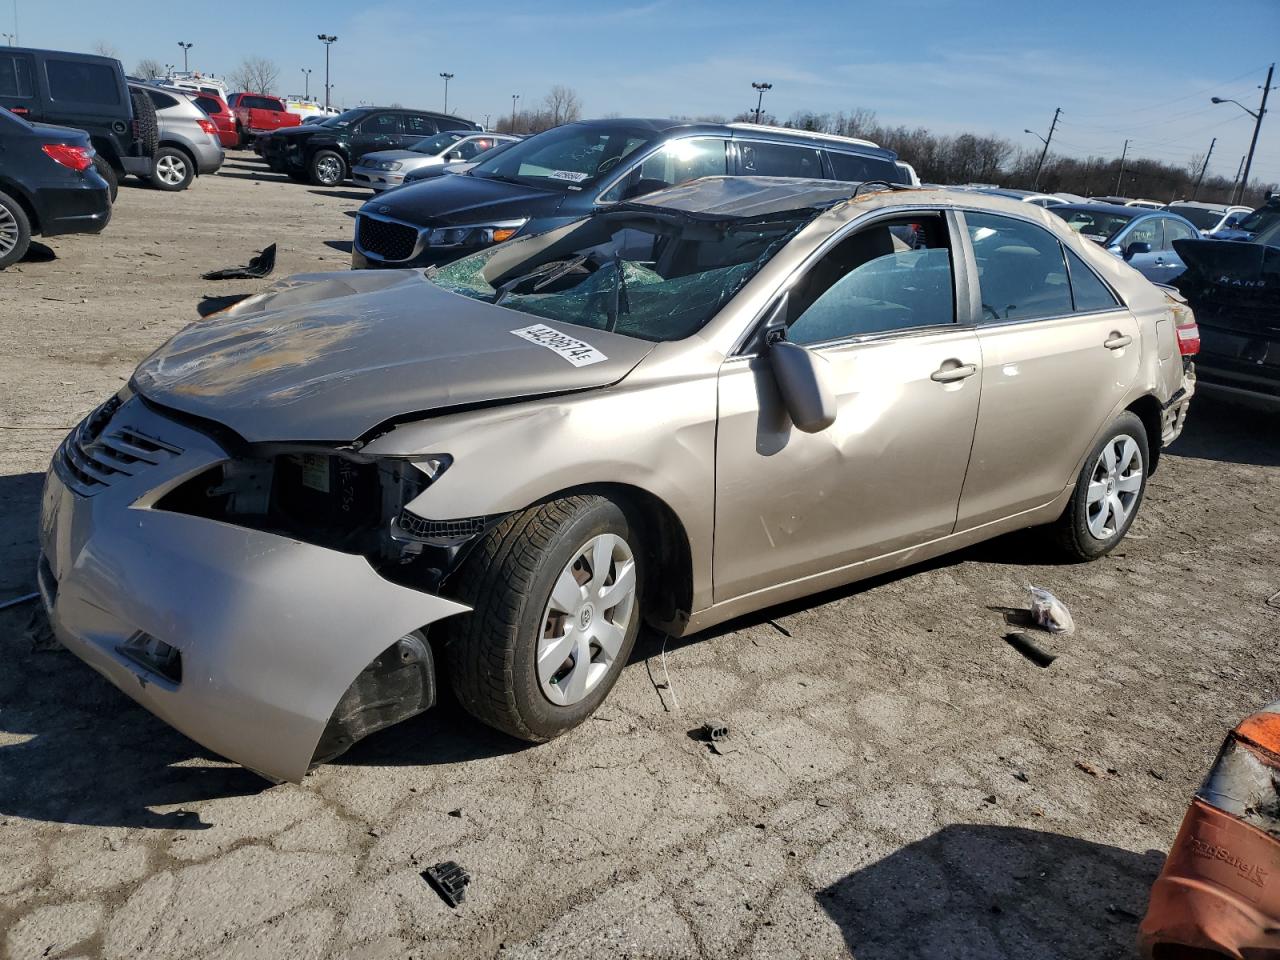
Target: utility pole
(760,88)
(1124,153)
(1035,182)
(447,77)
(514,98)
(1236,181)
(1203,167)
(186,67)
(328,40)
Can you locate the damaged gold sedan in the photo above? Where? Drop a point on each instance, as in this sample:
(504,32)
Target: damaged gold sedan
(677,410)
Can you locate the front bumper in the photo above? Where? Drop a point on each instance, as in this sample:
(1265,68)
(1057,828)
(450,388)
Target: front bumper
(377,180)
(271,631)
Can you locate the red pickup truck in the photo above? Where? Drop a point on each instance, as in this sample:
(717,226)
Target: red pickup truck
(260,113)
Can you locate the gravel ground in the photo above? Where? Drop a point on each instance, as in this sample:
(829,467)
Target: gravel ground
(900,783)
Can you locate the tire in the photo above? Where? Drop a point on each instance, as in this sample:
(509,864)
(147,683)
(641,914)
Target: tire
(1088,528)
(108,173)
(242,142)
(327,169)
(15,231)
(144,111)
(171,169)
(492,653)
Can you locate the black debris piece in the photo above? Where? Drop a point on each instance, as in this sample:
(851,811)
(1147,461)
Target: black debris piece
(1028,648)
(456,813)
(714,730)
(256,269)
(1021,776)
(449,880)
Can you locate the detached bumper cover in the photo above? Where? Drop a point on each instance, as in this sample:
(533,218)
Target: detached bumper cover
(271,631)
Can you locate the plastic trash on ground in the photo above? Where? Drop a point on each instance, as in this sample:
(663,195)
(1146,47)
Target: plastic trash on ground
(1050,612)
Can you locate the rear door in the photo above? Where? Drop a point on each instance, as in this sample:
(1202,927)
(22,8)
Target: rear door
(1149,230)
(378,131)
(1175,230)
(760,158)
(417,126)
(17,85)
(1059,351)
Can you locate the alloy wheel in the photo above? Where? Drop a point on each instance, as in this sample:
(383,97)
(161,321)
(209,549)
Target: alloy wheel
(172,170)
(1114,487)
(328,170)
(586,619)
(8,231)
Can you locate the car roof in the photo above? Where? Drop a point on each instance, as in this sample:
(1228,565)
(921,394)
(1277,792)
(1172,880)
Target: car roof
(1112,208)
(1200,205)
(742,131)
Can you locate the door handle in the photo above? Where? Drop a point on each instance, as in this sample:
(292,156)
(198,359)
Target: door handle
(945,374)
(1117,340)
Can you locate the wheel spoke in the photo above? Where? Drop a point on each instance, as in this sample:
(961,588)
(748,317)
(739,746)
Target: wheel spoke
(1130,484)
(566,595)
(623,584)
(1128,454)
(554,654)
(609,636)
(1097,492)
(1118,512)
(1098,520)
(601,561)
(575,684)
(1109,459)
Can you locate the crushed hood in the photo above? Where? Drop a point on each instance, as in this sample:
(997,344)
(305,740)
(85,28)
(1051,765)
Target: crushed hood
(327,357)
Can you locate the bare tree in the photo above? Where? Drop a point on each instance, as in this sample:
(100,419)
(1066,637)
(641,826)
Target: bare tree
(256,75)
(105,49)
(148,67)
(563,105)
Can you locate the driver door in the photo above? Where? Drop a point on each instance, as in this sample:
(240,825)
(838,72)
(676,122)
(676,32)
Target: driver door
(880,306)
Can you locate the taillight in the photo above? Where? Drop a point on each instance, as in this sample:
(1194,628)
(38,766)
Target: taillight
(1184,326)
(77,158)
(208,127)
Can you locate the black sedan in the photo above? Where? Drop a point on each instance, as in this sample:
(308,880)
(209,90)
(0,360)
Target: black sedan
(48,185)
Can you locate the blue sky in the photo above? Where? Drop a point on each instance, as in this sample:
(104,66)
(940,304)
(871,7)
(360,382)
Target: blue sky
(1118,69)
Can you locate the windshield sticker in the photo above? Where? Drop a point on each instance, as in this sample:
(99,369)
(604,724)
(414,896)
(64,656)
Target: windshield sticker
(571,175)
(577,352)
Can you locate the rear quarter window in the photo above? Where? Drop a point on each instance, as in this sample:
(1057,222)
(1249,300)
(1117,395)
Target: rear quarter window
(162,100)
(779,160)
(15,76)
(81,82)
(855,168)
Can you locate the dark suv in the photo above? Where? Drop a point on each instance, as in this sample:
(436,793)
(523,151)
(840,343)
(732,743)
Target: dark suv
(324,152)
(570,171)
(85,92)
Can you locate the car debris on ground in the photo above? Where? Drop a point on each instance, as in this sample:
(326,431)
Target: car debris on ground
(258,267)
(449,880)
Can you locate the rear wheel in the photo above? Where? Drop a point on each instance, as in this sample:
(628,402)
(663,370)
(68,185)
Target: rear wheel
(171,169)
(556,595)
(1109,491)
(15,231)
(327,169)
(108,173)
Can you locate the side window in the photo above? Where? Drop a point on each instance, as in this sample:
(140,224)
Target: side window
(1148,231)
(682,160)
(419,126)
(380,125)
(892,275)
(15,76)
(471,148)
(1087,291)
(778,160)
(850,166)
(1021,271)
(1176,230)
(81,82)
(161,100)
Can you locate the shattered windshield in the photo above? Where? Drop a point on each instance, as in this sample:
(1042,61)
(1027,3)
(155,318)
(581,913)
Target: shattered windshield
(653,276)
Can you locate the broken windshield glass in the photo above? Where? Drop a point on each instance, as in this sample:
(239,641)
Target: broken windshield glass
(652,276)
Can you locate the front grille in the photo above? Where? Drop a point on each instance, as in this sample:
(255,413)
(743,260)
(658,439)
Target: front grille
(96,454)
(389,241)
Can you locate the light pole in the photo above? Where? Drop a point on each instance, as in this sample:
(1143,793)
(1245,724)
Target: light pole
(185,47)
(1123,153)
(447,77)
(514,98)
(760,88)
(1035,183)
(9,37)
(306,83)
(328,40)
(1257,125)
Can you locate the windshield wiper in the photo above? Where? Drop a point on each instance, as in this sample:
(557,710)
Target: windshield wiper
(618,299)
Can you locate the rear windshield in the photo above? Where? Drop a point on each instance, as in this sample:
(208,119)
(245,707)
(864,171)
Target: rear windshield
(1095,224)
(1202,218)
(209,105)
(568,157)
(647,276)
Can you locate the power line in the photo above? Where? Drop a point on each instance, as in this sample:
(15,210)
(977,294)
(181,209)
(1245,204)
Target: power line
(1165,103)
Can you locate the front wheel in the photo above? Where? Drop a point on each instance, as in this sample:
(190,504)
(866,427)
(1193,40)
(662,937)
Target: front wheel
(15,231)
(107,173)
(1108,492)
(327,169)
(171,169)
(555,593)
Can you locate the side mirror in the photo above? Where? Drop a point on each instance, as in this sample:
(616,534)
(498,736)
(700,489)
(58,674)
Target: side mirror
(452,155)
(803,380)
(1133,249)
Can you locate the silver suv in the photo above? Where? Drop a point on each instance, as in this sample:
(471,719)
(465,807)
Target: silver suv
(188,142)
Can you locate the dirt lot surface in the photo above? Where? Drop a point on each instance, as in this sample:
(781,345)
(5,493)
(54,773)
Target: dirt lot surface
(899,782)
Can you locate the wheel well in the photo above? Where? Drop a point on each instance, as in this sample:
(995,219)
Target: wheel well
(22,200)
(106,149)
(1148,410)
(666,544)
(332,148)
